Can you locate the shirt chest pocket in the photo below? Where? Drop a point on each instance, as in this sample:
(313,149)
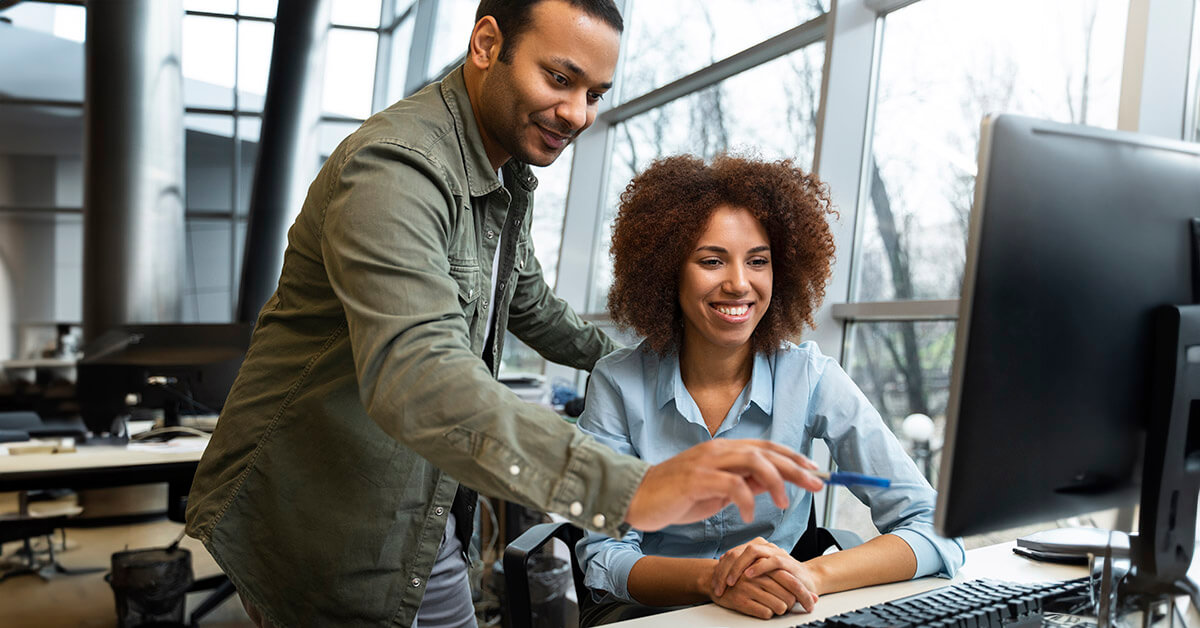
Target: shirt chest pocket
(468,279)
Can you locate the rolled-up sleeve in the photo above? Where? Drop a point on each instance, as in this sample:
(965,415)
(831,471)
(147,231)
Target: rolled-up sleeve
(860,441)
(385,237)
(606,562)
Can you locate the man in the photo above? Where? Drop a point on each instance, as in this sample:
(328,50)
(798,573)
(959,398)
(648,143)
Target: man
(328,491)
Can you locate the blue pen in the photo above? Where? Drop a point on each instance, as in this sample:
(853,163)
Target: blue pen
(848,478)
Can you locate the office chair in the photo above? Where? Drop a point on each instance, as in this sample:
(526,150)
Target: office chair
(814,542)
(25,525)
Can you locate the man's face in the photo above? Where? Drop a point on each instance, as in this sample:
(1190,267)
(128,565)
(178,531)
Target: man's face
(535,103)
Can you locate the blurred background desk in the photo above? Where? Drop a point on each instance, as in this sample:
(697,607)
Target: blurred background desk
(105,466)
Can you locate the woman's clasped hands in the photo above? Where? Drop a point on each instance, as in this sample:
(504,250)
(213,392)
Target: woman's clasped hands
(761,579)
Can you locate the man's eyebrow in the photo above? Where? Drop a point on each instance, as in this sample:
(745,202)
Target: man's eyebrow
(574,68)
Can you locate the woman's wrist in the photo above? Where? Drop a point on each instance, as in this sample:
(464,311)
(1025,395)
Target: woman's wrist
(818,574)
(704,576)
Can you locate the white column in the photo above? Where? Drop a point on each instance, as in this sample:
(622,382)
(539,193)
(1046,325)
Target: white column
(133,188)
(1154,78)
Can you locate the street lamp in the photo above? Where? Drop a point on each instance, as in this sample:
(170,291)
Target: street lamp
(918,428)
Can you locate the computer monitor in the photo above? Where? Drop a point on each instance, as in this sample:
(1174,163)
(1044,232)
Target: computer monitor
(1071,390)
(177,368)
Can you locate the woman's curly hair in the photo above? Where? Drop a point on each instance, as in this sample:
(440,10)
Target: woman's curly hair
(665,209)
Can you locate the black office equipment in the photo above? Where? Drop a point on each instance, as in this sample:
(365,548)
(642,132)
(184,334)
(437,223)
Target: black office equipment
(179,368)
(982,603)
(1076,374)
(15,426)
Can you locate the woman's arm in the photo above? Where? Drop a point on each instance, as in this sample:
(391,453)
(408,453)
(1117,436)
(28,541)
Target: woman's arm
(885,558)
(860,441)
(664,581)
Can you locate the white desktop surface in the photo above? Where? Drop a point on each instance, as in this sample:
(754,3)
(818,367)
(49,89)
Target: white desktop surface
(995,561)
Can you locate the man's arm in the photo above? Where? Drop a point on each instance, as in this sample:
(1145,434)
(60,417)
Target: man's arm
(548,325)
(386,232)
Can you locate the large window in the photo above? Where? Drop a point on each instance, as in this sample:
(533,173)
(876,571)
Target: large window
(695,76)
(455,19)
(667,40)
(225,58)
(1192,116)
(349,72)
(988,57)
(768,110)
(932,93)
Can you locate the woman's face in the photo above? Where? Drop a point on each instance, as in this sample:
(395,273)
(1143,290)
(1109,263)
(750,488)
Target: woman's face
(725,284)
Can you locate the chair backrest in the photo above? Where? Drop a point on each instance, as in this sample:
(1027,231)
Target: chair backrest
(516,576)
(816,541)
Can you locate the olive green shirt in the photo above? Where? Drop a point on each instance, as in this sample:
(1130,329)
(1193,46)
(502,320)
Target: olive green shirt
(363,400)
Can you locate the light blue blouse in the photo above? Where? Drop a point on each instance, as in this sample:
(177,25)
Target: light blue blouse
(637,404)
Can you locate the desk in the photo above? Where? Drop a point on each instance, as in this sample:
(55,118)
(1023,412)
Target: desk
(996,561)
(106,466)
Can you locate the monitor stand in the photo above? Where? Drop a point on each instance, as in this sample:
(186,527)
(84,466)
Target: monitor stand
(171,413)
(1166,540)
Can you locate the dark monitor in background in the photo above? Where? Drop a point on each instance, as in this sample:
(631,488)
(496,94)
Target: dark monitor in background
(181,369)
(1072,389)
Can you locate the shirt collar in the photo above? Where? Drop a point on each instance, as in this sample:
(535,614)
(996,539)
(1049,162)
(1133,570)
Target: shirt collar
(762,382)
(481,178)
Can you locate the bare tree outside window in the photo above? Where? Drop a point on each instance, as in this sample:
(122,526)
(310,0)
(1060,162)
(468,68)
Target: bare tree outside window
(986,57)
(768,111)
(668,40)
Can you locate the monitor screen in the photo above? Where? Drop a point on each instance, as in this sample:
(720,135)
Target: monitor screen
(1077,235)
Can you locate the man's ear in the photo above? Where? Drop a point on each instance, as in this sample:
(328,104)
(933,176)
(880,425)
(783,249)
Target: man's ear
(486,40)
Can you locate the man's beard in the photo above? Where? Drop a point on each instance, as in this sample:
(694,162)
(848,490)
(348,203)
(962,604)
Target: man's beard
(506,127)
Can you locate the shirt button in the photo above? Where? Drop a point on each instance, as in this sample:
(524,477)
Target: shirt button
(514,470)
(598,521)
(439,511)
(491,234)
(471,293)
(500,285)
(416,582)
(517,222)
(576,509)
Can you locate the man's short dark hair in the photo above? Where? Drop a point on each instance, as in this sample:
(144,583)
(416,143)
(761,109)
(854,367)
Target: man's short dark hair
(513,18)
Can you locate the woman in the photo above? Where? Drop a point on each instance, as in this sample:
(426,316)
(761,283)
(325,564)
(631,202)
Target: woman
(715,266)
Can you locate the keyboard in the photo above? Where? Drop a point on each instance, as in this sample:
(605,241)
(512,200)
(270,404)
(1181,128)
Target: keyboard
(974,604)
